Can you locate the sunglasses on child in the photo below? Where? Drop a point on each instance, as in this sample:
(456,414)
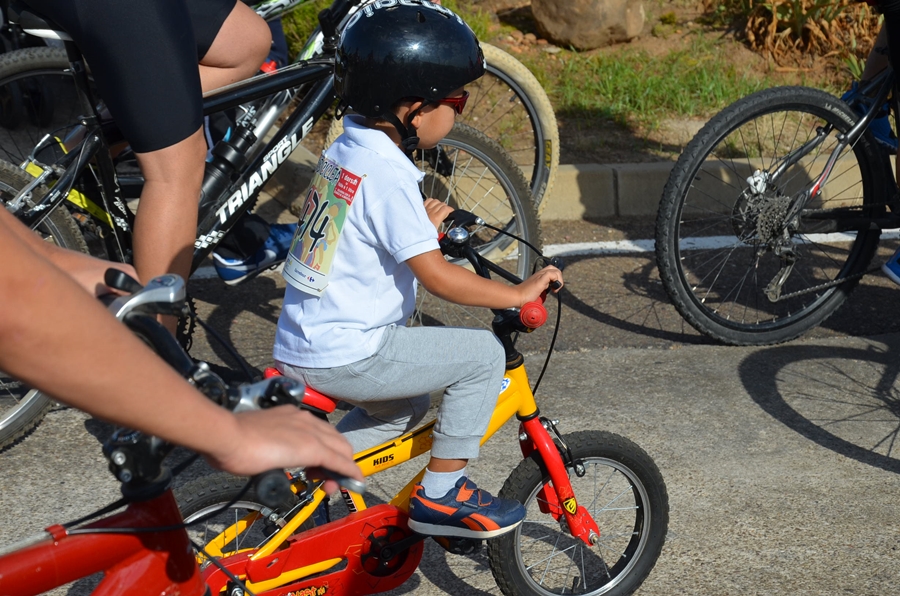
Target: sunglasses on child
(457,103)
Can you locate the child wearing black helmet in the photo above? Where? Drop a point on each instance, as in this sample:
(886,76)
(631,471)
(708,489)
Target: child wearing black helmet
(366,238)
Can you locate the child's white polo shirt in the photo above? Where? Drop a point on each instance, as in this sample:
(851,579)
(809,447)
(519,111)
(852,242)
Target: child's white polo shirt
(369,287)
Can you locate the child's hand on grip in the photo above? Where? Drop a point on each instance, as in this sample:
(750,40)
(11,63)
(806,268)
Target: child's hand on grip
(532,288)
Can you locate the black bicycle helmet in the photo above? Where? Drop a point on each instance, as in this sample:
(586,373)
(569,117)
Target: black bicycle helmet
(397,49)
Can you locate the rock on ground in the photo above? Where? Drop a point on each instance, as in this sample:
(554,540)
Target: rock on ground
(588,24)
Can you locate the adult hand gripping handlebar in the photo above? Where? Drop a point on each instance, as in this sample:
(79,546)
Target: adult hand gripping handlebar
(135,459)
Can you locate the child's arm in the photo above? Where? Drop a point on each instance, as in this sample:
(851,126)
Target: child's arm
(461,286)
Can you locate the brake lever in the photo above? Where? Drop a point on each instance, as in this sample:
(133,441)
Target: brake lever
(268,393)
(461,218)
(164,295)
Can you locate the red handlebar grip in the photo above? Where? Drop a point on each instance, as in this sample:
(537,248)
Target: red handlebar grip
(533,315)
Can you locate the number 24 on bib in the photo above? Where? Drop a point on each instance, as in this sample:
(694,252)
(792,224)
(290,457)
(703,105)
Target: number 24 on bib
(328,202)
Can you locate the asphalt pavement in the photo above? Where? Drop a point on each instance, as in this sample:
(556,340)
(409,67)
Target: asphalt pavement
(781,462)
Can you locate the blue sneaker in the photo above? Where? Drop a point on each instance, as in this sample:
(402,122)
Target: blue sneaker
(892,267)
(880,125)
(465,511)
(269,256)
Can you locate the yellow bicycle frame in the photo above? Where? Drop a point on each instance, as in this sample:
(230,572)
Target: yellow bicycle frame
(515,398)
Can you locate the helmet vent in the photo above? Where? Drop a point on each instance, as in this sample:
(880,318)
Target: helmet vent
(420,17)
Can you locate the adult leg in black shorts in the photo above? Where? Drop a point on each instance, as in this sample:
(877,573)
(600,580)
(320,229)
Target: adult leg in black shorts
(144,56)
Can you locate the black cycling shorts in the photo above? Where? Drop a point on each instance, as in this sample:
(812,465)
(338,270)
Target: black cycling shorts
(143,56)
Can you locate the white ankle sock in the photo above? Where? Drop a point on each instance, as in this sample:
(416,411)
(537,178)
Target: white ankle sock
(438,484)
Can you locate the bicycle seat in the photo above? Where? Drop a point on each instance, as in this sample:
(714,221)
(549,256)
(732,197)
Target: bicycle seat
(311,397)
(35,23)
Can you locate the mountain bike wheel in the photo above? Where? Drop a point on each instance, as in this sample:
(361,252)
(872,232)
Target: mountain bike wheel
(22,408)
(37,97)
(252,522)
(469,171)
(725,248)
(509,105)
(624,492)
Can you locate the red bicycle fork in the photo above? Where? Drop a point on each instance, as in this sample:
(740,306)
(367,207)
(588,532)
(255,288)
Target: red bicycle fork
(557,497)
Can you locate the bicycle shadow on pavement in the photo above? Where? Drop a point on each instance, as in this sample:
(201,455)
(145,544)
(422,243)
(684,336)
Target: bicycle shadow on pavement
(843,398)
(245,316)
(622,293)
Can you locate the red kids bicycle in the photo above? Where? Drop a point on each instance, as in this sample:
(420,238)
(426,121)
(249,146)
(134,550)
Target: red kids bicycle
(144,549)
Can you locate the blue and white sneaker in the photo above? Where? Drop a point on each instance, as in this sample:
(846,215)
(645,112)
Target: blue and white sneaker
(465,511)
(272,253)
(892,268)
(880,125)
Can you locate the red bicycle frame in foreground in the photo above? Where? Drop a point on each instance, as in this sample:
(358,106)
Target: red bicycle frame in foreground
(144,549)
(151,563)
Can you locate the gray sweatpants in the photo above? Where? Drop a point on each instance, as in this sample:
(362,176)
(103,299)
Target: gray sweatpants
(390,389)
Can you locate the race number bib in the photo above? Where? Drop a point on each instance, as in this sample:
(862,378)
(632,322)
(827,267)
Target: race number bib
(328,201)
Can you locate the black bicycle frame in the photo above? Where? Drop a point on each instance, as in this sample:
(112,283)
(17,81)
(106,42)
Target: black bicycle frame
(231,204)
(850,219)
(241,193)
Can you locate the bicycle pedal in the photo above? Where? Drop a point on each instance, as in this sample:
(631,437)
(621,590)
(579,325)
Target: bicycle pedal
(459,546)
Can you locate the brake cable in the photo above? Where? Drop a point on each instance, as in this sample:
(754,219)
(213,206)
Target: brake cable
(556,262)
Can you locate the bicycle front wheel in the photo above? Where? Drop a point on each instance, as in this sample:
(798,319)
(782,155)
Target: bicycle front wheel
(510,106)
(22,408)
(742,258)
(625,494)
(471,172)
(37,98)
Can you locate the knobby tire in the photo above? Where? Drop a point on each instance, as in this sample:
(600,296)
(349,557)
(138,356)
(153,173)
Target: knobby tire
(716,239)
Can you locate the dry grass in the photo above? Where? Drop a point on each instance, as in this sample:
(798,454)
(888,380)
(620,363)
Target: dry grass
(784,29)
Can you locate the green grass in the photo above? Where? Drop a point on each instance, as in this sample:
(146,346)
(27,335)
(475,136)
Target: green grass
(635,87)
(299,23)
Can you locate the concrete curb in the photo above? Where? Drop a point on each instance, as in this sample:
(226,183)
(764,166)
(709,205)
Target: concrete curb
(595,190)
(586,190)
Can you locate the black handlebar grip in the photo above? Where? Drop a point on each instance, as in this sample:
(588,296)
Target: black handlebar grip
(555,285)
(330,18)
(119,280)
(273,488)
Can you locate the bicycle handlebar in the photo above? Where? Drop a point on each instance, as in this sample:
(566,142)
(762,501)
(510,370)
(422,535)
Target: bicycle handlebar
(135,459)
(456,243)
(330,18)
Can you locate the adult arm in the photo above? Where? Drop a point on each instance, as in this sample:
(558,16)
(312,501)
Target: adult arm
(85,270)
(57,338)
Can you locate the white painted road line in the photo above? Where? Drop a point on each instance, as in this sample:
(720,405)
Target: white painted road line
(619,247)
(622,247)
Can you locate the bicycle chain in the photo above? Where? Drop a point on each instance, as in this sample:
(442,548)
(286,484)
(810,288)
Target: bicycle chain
(826,285)
(184,333)
(834,282)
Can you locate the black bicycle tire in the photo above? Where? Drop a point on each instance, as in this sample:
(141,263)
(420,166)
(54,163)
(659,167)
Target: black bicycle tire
(59,225)
(38,61)
(208,493)
(642,552)
(533,97)
(875,180)
(474,142)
